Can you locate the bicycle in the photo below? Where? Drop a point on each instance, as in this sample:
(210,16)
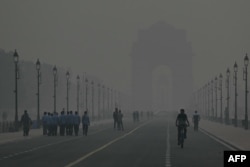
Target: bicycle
(181,136)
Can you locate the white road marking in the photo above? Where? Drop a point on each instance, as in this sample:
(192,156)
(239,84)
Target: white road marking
(220,141)
(43,146)
(103,147)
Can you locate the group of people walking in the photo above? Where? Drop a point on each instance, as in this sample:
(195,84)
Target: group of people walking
(68,123)
(117,116)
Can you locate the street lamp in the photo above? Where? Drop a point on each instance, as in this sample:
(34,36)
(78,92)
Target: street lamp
(16,60)
(86,80)
(215,86)
(103,100)
(111,99)
(220,97)
(108,99)
(99,100)
(235,94)
(38,67)
(67,76)
(212,95)
(55,83)
(92,100)
(208,96)
(204,100)
(246,61)
(228,97)
(78,90)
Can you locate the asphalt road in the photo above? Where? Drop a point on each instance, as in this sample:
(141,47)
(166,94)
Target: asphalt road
(150,143)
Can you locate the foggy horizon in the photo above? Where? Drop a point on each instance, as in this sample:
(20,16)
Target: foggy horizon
(96,37)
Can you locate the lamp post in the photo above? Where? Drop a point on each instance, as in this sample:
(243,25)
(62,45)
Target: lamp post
(16,60)
(221,97)
(205,97)
(99,100)
(119,100)
(111,99)
(103,99)
(67,76)
(38,67)
(55,83)
(115,98)
(216,104)
(200,99)
(92,100)
(235,94)
(108,99)
(212,98)
(83,95)
(204,100)
(228,97)
(208,100)
(246,61)
(78,91)
(86,80)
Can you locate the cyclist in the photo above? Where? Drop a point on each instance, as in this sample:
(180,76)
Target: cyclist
(182,121)
(196,119)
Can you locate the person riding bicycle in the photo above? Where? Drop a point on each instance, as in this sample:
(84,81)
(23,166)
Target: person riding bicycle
(196,119)
(182,122)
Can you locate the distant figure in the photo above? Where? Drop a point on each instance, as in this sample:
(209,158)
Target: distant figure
(26,122)
(45,123)
(51,124)
(196,119)
(115,114)
(67,126)
(136,116)
(71,123)
(182,122)
(55,123)
(85,123)
(77,121)
(62,123)
(119,120)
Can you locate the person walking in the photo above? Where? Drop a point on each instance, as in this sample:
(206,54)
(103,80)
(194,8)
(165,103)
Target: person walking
(45,123)
(196,120)
(67,123)
(85,123)
(62,123)
(71,123)
(115,117)
(119,120)
(77,121)
(26,122)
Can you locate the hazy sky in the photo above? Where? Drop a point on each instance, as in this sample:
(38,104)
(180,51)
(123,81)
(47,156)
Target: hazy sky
(95,36)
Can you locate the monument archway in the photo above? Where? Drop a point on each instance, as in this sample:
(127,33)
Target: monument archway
(161,45)
(162,89)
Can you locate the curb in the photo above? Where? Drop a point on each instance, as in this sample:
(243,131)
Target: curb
(223,141)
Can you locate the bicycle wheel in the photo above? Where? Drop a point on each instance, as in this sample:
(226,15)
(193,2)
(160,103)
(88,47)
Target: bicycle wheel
(182,138)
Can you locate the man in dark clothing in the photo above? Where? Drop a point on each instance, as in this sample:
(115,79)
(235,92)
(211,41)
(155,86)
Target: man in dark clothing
(196,119)
(119,120)
(182,122)
(85,123)
(26,122)
(45,123)
(77,121)
(115,117)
